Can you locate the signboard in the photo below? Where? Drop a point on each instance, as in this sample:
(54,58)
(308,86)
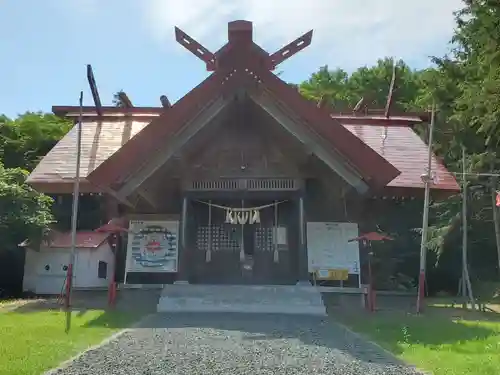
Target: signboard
(332,274)
(152,246)
(328,249)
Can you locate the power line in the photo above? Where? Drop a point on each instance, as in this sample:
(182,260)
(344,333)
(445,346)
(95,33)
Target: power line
(476,174)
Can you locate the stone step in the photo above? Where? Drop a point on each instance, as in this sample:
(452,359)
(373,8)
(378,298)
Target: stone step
(241,298)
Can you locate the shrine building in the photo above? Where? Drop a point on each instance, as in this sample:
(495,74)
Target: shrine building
(241,181)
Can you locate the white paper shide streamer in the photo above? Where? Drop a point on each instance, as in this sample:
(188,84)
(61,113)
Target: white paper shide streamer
(275,234)
(208,255)
(242,246)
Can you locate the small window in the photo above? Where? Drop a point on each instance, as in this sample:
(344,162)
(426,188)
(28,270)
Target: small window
(102,270)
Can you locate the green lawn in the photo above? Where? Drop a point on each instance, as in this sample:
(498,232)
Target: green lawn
(439,341)
(33,342)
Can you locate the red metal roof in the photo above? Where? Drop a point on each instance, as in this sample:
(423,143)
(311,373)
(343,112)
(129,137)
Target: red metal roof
(404,149)
(84,240)
(371,236)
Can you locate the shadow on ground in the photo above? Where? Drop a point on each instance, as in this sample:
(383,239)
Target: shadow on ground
(312,331)
(397,329)
(128,301)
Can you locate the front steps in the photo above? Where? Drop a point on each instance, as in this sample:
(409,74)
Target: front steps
(265,299)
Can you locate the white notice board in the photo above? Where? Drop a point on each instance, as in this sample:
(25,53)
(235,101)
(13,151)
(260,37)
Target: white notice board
(328,247)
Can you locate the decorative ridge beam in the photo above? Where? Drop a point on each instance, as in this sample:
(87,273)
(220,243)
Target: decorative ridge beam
(127,103)
(291,49)
(378,120)
(93,89)
(61,110)
(165,103)
(196,48)
(240,36)
(424,116)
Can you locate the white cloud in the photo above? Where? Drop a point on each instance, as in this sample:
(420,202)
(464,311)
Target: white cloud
(346,32)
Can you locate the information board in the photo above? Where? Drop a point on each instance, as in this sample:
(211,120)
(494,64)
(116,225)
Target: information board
(152,246)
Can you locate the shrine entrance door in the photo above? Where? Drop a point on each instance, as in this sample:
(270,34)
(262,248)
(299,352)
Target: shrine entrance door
(235,252)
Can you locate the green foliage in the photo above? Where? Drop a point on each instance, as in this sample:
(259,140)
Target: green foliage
(25,140)
(117,100)
(342,91)
(468,88)
(465,86)
(24,213)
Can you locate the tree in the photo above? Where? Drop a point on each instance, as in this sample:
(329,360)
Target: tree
(121,100)
(342,91)
(465,86)
(24,213)
(117,100)
(25,140)
(477,54)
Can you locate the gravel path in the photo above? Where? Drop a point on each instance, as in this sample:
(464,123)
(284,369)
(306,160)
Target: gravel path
(235,344)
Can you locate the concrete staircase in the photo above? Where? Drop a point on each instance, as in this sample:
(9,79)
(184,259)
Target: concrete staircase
(270,299)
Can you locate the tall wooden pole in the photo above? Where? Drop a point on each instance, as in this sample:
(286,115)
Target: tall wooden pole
(427,178)
(74,217)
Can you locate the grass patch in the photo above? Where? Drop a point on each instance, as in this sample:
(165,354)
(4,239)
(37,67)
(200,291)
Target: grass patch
(34,342)
(438,341)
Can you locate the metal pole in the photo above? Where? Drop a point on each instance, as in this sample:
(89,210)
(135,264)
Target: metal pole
(496,215)
(371,293)
(464,229)
(74,216)
(466,285)
(425,219)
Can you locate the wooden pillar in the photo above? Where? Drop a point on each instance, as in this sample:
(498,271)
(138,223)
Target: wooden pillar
(182,272)
(303,272)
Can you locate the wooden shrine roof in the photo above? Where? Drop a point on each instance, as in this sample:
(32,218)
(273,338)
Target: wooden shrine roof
(402,147)
(100,139)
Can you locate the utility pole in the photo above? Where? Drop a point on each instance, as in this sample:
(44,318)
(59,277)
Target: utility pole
(427,179)
(74,217)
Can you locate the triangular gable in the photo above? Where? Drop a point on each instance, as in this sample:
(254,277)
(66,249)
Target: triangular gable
(376,170)
(251,72)
(135,152)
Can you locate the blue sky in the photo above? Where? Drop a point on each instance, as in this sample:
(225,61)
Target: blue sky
(45,45)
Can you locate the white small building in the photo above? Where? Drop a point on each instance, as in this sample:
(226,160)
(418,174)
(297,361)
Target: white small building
(45,268)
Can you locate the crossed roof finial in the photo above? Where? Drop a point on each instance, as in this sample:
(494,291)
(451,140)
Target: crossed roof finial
(241,32)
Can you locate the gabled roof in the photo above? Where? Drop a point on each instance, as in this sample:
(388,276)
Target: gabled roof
(84,240)
(62,240)
(241,64)
(100,139)
(402,147)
